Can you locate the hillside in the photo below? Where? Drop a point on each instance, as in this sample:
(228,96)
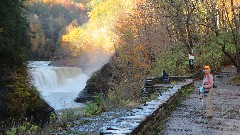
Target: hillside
(49,20)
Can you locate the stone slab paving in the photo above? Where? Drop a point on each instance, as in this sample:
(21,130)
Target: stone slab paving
(128,123)
(124,121)
(187,118)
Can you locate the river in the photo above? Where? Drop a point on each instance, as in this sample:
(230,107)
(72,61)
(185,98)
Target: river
(59,86)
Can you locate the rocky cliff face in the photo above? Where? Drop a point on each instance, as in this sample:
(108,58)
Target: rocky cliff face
(99,83)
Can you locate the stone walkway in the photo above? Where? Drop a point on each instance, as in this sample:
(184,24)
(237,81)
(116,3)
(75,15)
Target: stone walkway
(125,121)
(187,118)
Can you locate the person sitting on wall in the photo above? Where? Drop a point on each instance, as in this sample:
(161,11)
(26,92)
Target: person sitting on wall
(165,77)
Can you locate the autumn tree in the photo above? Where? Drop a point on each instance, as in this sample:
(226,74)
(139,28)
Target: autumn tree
(131,31)
(142,39)
(196,23)
(49,20)
(232,13)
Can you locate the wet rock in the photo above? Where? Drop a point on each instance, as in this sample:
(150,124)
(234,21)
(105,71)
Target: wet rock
(85,96)
(97,84)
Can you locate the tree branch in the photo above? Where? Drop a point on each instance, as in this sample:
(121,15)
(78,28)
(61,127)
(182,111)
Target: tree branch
(228,55)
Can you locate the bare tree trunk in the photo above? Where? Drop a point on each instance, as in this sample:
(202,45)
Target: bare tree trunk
(236,34)
(214,20)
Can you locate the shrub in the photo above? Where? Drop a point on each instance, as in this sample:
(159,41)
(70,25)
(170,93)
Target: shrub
(211,53)
(101,103)
(22,96)
(96,106)
(26,128)
(174,61)
(91,108)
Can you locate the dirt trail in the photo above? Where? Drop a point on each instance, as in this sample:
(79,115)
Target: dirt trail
(187,118)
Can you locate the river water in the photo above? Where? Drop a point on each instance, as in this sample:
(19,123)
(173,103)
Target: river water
(59,86)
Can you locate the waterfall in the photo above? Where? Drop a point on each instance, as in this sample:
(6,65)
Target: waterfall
(54,78)
(59,86)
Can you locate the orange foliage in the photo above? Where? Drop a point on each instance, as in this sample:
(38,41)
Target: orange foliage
(80,6)
(142,37)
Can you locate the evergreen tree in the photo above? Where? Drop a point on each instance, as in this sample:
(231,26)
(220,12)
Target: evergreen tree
(14,39)
(17,97)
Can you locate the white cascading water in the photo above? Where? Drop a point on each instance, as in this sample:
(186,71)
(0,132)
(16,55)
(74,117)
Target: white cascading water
(59,86)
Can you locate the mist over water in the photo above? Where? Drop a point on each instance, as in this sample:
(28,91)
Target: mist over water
(97,61)
(59,86)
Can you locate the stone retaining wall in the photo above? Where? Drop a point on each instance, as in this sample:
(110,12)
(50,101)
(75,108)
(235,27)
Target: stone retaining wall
(150,117)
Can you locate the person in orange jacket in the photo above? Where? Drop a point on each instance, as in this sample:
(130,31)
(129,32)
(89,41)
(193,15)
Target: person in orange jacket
(208,89)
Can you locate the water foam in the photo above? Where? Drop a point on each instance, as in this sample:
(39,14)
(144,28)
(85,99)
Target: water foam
(59,86)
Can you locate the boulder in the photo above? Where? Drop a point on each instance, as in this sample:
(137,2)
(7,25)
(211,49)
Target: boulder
(99,83)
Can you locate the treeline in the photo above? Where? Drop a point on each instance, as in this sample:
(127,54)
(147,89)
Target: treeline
(148,37)
(14,39)
(49,20)
(18,99)
(30,30)
(210,27)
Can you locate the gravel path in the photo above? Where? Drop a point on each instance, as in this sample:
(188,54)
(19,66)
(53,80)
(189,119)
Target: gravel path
(187,118)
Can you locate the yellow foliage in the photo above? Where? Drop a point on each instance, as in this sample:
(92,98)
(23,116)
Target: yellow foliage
(99,32)
(128,28)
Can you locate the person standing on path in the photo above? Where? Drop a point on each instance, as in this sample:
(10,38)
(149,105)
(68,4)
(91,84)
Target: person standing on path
(208,89)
